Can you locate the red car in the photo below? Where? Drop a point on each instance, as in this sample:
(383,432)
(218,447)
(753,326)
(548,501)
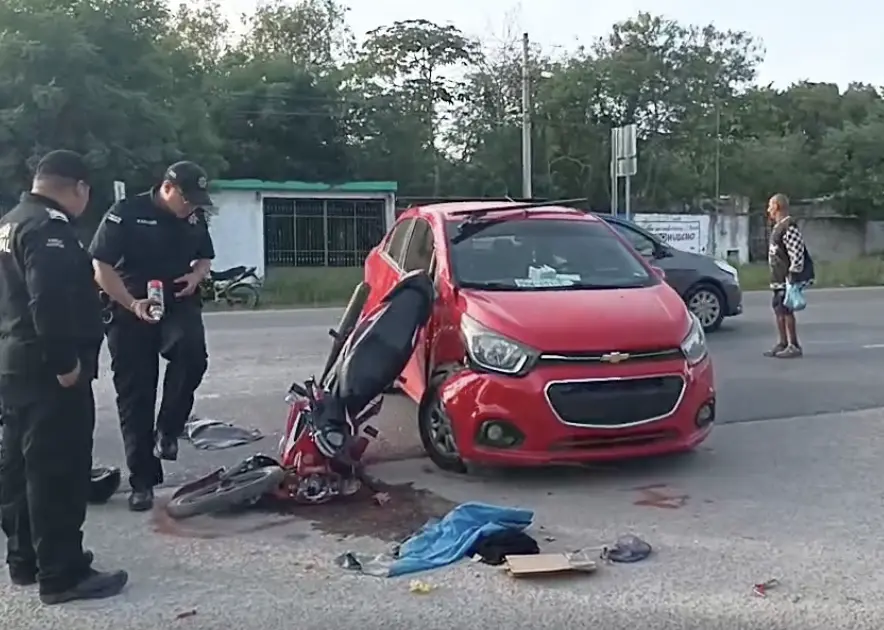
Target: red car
(552,340)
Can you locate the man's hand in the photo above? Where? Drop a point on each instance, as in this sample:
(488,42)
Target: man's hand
(70,379)
(141,308)
(191,282)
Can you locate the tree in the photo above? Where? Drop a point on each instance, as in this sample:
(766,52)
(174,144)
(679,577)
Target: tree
(401,69)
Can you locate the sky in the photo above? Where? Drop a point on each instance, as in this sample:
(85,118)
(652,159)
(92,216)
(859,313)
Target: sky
(817,40)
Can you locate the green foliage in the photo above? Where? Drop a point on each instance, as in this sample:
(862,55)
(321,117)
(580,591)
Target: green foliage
(288,92)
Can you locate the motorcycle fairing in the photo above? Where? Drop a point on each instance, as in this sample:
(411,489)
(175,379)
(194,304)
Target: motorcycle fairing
(383,342)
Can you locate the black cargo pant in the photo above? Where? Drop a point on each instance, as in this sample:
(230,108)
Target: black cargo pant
(135,347)
(45,469)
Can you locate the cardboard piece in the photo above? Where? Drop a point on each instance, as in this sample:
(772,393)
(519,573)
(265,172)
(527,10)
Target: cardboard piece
(549,564)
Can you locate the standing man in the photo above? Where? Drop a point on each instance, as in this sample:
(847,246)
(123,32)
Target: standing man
(50,335)
(789,263)
(159,235)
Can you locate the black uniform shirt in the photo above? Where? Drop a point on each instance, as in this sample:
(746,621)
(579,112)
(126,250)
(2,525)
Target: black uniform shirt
(143,241)
(50,313)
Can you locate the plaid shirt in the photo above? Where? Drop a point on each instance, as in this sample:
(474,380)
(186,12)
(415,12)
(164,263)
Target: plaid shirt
(793,243)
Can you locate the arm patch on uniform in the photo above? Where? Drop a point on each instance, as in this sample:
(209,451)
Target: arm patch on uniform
(6,238)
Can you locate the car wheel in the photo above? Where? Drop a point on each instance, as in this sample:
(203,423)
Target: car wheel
(437,433)
(707,303)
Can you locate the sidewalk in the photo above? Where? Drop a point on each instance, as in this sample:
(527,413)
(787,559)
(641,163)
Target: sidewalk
(798,500)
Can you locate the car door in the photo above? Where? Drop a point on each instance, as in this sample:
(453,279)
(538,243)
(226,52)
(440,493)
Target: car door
(419,255)
(657,254)
(383,266)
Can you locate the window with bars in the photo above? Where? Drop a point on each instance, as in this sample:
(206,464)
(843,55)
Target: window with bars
(321,232)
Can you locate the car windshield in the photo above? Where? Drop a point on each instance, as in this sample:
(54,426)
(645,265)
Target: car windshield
(532,254)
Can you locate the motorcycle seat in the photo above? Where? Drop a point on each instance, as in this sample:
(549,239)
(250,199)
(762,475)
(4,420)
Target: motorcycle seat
(227,274)
(383,344)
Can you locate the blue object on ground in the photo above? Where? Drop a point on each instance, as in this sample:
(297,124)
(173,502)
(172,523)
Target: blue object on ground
(446,541)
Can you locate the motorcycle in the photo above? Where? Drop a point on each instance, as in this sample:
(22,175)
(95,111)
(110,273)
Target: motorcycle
(327,430)
(237,286)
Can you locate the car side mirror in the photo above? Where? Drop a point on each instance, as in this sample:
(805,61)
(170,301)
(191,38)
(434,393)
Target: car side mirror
(658,272)
(662,251)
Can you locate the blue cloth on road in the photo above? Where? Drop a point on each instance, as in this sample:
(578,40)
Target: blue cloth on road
(446,541)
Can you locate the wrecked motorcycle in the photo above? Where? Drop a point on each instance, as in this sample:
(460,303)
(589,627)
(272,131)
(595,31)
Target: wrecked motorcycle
(326,431)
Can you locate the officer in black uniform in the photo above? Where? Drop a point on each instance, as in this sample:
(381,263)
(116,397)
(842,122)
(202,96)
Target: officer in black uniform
(159,235)
(50,335)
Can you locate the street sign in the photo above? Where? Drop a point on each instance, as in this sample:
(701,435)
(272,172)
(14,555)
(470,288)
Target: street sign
(625,153)
(624,163)
(119,190)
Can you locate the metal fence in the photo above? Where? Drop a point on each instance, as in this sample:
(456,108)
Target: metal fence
(321,232)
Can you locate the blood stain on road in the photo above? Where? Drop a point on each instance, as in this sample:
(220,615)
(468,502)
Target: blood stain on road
(407,510)
(660,496)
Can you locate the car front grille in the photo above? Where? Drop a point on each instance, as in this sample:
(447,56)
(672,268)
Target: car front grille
(606,357)
(615,402)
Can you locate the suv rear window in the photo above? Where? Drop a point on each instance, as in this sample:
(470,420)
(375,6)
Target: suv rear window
(533,254)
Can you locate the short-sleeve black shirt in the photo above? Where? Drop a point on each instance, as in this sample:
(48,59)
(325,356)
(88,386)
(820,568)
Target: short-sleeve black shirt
(143,241)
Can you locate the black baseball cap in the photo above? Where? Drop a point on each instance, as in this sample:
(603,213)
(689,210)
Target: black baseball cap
(65,164)
(192,180)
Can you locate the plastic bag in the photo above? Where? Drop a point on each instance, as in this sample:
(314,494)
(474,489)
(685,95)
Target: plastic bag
(794,299)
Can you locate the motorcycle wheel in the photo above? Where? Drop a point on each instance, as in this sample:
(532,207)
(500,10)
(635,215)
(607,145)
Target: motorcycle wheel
(242,295)
(227,493)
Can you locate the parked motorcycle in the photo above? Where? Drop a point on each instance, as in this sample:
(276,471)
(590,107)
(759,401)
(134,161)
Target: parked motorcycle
(235,287)
(326,431)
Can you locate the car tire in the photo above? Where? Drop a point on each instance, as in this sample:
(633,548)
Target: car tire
(707,302)
(427,423)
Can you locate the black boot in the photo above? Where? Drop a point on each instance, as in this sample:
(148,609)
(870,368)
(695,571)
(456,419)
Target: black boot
(96,585)
(141,500)
(166,448)
(27,576)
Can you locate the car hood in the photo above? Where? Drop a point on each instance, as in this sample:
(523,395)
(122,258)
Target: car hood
(584,320)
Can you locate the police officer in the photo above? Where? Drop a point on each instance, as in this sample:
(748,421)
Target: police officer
(159,235)
(50,335)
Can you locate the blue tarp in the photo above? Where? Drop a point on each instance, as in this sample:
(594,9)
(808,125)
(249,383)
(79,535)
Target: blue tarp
(446,541)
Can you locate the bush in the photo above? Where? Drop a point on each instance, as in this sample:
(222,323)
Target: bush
(310,286)
(862,272)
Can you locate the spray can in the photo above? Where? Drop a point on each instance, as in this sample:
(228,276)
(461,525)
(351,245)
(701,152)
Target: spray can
(155,295)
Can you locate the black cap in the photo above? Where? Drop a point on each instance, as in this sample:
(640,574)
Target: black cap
(65,164)
(192,180)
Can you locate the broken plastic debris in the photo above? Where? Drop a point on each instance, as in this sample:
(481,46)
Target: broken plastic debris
(761,589)
(381,498)
(416,586)
(213,435)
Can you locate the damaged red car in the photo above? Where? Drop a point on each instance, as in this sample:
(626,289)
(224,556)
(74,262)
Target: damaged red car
(551,340)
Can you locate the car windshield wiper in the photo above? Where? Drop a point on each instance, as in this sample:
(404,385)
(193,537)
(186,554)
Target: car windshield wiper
(490,286)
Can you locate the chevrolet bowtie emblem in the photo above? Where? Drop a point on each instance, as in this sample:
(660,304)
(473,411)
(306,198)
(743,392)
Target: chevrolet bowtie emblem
(615,357)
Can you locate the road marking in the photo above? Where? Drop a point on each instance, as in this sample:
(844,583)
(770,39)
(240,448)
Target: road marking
(872,346)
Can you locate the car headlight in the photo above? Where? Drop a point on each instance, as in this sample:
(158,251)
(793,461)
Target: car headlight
(494,352)
(728,269)
(694,344)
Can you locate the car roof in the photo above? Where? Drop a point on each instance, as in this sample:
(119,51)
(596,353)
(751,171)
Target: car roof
(459,210)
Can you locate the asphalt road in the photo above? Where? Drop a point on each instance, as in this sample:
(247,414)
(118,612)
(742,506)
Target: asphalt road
(255,356)
(782,490)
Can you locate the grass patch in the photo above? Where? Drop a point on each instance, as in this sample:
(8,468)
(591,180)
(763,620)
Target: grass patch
(310,286)
(862,272)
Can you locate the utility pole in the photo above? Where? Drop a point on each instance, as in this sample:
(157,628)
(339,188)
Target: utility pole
(717,154)
(527,175)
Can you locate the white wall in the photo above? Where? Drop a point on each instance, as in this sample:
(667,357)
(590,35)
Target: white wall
(723,236)
(237,230)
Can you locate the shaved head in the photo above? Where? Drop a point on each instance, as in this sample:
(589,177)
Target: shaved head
(778,206)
